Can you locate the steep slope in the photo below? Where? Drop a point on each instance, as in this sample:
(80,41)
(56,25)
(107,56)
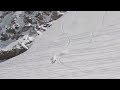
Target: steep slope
(19,28)
(79,45)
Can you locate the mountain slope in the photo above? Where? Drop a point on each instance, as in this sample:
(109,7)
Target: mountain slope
(78,45)
(19,28)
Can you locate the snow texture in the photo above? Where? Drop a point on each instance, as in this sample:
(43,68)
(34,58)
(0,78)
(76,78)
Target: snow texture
(81,44)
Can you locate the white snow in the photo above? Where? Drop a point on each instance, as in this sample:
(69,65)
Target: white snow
(82,44)
(21,42)
(38,32)
(23,45)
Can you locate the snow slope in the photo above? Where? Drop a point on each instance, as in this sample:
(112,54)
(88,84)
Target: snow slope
(82,44)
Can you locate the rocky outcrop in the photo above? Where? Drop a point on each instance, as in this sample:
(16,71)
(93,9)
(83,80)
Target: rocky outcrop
(4,55)
(18,26)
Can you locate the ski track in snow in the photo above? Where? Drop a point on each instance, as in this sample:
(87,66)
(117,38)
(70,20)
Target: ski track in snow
(88,56)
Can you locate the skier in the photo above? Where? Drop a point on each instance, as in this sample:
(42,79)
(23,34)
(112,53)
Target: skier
(54,59)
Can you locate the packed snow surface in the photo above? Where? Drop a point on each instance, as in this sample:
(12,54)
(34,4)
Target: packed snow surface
(81,44)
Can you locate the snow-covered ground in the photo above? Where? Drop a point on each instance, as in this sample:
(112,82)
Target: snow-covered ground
(82,44)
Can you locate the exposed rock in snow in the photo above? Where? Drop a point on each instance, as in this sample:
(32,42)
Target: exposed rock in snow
(93,51)
(15,25)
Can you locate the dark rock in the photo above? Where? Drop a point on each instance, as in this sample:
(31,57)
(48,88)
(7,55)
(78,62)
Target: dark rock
(4,37)
(12,53)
